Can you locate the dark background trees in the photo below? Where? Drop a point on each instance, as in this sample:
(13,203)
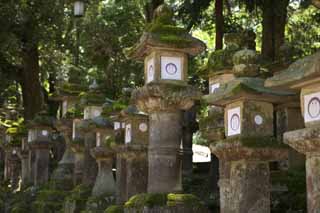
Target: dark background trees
(38,39)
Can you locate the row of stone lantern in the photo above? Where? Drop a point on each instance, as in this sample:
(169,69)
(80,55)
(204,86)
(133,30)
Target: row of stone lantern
(250,139)
(304,76)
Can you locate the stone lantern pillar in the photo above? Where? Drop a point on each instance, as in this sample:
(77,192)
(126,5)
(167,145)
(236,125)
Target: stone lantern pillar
(39,140)
(164,96)
(77,147)
(69,111)
(92,102)
(25,163)
(304,76)
(250,142)
(104,155)
(133,178)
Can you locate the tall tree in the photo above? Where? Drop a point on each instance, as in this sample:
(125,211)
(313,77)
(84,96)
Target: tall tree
(274,23)
(219,23)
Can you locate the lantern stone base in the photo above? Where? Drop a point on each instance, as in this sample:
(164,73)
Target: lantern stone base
(41,164)
(307,141)
(25,168)
(132,167)
(12,168)
(78,150)
(105,183)
(244,183)
(65,170)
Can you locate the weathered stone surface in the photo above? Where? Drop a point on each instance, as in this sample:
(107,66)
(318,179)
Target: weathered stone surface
(305,141)
(25,167)
(104,183)
(165,96)
(250,187)
(41,175)
(90,167)
(313,182)
(64,171)
(164,158)
(239,150)
(301,71)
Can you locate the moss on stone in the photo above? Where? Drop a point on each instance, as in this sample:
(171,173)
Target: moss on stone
(92,98)
(149,200)
(114,209)
(184,199)
(256,142)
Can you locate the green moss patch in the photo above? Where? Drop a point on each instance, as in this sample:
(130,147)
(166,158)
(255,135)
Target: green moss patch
(114,209)
(150,200)
(257,142)
(184,199)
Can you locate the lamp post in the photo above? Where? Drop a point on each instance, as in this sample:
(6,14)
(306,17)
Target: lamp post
(78,12)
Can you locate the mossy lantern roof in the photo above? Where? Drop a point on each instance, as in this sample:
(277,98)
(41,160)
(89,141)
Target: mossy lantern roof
(97,123)
(300,73)
(41,121)
(162,33)
(247,88)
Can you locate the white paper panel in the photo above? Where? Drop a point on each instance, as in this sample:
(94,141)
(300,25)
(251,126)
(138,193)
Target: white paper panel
(171,68)
(312,107)
(234,121)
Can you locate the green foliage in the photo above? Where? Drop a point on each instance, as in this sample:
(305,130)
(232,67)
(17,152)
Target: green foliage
(185,199)
(79,195)
(114,209)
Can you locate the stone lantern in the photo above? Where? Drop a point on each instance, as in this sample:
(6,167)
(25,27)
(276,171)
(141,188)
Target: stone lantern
(304,76)
(70,112)
(250,142)
(92,102)
(12,162)
(39,140)
(104,155)
(132,176)
(164,96)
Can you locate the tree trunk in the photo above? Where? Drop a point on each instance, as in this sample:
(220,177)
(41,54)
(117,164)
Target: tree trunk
(219,23)
(31,88)
(274,22)
(150,8)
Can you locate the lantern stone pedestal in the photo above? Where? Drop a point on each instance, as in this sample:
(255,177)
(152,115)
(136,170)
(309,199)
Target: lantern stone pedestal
(25,168)
(78,150)
(307,141)
(12,167)
(134,159)
(64,172)
(245,176)
(41,164)
(105,183)
(164,102)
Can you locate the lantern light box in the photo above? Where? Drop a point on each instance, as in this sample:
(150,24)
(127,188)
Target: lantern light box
(312,107)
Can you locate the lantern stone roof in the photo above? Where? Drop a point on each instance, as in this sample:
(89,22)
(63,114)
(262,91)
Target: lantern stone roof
(131,110)
(300,73)
(247,88)
(163,33)
(42,120)
(67,91)
(99,122)
(94,96)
